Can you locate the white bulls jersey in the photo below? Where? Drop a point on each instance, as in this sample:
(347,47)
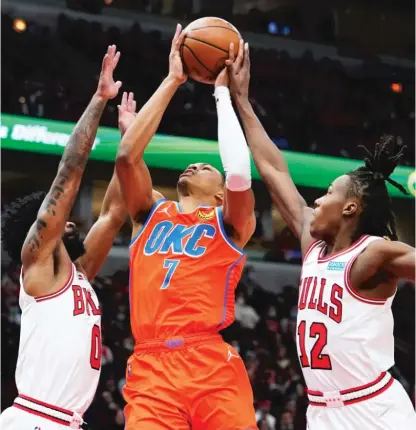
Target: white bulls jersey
(60,345)
(344,339)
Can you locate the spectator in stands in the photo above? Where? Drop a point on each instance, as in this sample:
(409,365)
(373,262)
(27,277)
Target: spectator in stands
(245,314)
(306,104)
(264,418)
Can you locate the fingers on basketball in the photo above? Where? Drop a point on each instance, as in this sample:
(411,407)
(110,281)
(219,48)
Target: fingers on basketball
(231,55)
(176,38)
(180,40)
(240,56)
(246,56)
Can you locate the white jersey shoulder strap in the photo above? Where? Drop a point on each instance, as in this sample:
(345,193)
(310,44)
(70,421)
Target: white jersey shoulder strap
(25,299)
(316,252)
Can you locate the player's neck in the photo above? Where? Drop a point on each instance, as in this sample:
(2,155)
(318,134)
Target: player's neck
(189,203)
(341,241)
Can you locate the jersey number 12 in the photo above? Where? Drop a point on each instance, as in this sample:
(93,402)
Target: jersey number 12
(317,360)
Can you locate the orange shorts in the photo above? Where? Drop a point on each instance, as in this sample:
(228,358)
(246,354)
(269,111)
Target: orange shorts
(197,383)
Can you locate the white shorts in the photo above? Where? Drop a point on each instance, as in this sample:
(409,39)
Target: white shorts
(15,419)
(391,410)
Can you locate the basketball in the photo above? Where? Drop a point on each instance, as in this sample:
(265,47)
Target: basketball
(206,46)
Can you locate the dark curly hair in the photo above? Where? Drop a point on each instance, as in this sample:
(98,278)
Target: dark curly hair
(369,184)
(16,220)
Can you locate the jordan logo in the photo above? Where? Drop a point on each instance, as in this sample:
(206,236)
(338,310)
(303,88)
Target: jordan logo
(165,210)
(230,355)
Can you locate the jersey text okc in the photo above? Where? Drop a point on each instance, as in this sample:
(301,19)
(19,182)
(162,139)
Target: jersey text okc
(178,239)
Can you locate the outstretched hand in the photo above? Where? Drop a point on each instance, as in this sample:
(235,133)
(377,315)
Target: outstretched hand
(176,69)
(126,112)
(107,88)
(222,79)
(239,70)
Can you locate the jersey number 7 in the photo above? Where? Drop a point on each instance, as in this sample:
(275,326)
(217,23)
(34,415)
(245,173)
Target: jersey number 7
(171,265)
(317,359)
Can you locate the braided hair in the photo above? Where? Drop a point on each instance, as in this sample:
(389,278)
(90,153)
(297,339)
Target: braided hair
(369,184)
(18,217)
(16,221)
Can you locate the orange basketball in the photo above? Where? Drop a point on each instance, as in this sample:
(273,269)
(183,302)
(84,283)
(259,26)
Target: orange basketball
(205,47)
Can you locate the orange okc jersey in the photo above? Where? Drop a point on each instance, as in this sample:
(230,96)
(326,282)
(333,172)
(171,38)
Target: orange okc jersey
(183,273)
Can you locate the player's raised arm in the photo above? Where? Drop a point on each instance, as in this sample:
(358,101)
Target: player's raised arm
(113,210)
(49,226)
(395,258)
(238,208)
(134,176)
(269,160)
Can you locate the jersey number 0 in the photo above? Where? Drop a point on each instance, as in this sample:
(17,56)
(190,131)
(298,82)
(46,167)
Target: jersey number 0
(96,347)
(317,359)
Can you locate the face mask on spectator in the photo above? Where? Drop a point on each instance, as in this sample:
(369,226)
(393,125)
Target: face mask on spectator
(121,385)
(284,324)
(235,345)
(241,301)
(128,344)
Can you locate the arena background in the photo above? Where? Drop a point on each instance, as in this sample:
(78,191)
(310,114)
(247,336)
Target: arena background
(327,76)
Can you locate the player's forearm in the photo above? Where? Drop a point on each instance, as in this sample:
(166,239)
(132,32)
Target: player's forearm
(113,204)
(101,236)
(61,197)
(265,152)
(235,157)
(98,243)
(59,201)
(139,134)
(80,143)
(234,152)
(403,263)
(409,269)
(273,168)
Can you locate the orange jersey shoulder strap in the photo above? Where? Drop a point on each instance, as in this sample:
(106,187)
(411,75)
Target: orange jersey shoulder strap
(156,206)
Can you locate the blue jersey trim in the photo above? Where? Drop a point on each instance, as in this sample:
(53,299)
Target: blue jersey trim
(224,234)
(155,206)
(227,284)
(129,289)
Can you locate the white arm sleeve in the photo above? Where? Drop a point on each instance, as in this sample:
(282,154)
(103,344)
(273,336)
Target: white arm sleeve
(234,152)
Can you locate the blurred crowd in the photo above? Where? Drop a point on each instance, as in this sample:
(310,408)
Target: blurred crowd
(263,333)
(307,105)
(290,19)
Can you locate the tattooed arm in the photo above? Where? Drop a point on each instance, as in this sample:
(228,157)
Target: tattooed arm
(46,232)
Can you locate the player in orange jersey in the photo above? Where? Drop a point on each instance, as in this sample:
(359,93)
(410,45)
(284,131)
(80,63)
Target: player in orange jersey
(185,262)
